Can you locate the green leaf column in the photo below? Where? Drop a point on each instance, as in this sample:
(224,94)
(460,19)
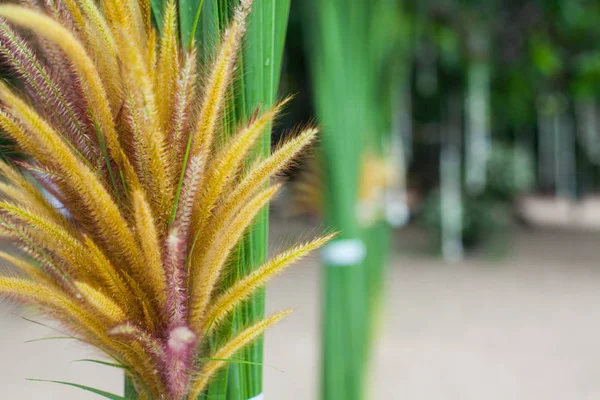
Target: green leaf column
(351,45)
(259,68)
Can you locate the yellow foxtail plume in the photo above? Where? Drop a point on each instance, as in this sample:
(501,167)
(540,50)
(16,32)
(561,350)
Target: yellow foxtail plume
(25,267)
(212,102)
(149,241)
(217,360)
(233,296)
(168,64)
(152,205)
(100,111)
(103,305)
(230,160)
(205,275)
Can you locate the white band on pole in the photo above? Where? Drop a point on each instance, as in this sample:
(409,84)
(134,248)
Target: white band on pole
(258,397)
(344,252)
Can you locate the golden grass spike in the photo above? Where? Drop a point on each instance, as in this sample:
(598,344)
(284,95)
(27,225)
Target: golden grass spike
(89,77)
(17,132)
(145,354)
(227,164)
(25,267)
(110,224)
(52,300)
(229,349)
(152,54)
(49,234)
(100,25)
(12,192)
(94,266)
(260,173)
(77,319)
(150,314)
(59,273)
(148,238)
(138,22)
(101,42)
(87,31)
(221,73)
(135,332)
(243,288)
(101,303)
(25,193)
(255,179)
(79,22)
(213,220)
(179,126)
(168,65)
(146,11)
(139,156)
(21,197)
(114,282)
(55,232)
(151,139)
(205,270)
(122,15)
(46,88)
(191,185)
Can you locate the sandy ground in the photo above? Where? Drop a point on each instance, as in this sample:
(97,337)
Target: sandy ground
(522,328)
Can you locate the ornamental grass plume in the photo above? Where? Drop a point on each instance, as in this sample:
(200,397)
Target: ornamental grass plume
(117,127)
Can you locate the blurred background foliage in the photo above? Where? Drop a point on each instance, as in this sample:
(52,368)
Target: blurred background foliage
(505,91)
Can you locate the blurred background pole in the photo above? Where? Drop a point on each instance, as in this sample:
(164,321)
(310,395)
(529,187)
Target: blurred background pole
(451,201)
(478,135)
(588,124)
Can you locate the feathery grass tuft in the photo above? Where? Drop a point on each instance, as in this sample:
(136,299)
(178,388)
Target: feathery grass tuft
(152,207)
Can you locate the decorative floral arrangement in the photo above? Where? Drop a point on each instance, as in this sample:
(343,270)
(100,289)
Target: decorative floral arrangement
(116,125)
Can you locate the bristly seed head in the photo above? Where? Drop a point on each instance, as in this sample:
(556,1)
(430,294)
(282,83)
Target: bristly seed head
(180,339)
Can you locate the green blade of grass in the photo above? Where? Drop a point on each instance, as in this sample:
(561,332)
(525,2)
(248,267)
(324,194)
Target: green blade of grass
(50,338)
(158,7)
(99,392)
(106,363)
